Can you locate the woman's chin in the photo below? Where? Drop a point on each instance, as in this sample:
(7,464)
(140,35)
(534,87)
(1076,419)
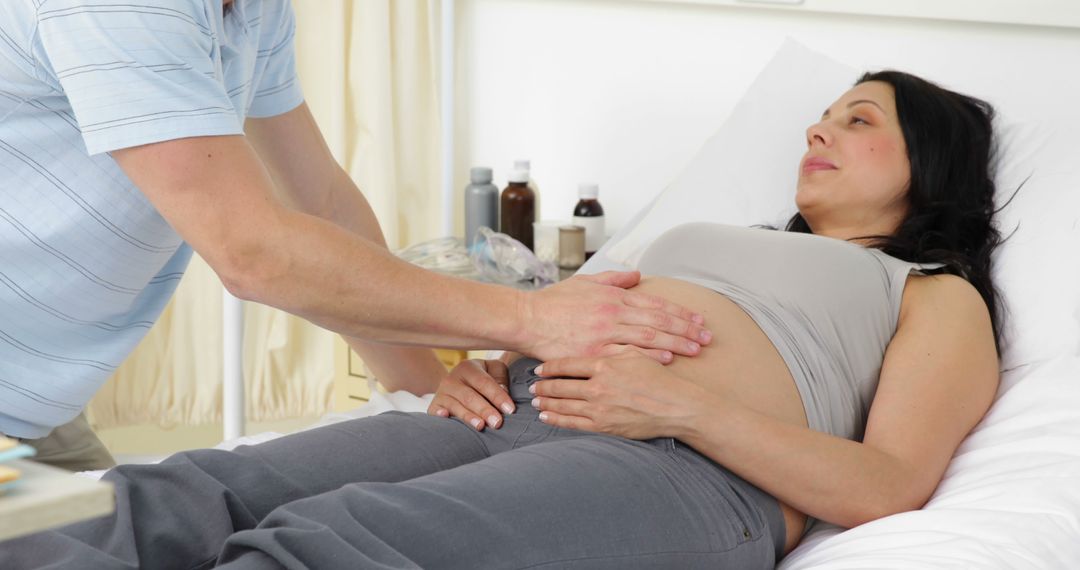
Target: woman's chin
(805,196)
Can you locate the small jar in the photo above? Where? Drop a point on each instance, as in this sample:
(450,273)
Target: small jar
(571,247)
(546,239)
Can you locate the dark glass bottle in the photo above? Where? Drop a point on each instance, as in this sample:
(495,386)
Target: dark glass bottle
(589,214)
(517,209)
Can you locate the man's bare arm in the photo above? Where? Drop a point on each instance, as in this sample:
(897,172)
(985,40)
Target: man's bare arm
(220,198)
(217,194)
(309,180)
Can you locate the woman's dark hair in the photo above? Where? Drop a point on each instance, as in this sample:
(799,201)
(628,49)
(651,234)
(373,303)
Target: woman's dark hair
(951,149)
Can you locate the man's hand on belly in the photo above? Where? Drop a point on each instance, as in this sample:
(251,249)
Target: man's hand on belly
(594,315)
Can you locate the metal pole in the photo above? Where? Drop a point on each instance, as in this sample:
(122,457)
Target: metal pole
(232,316)
(447,114)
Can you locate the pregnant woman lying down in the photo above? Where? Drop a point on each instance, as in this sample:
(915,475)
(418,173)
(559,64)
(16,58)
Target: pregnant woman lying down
(850,356)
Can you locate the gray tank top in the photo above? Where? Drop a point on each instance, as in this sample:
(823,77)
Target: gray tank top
(830,307)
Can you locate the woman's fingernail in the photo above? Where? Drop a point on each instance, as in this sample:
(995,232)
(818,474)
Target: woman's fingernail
(535,403)
(539,370)
(543,416)
(506,407)
(694,347)
(493,420)
(698,319)
(667,356)
(476,423)
(705,336)
(532,389)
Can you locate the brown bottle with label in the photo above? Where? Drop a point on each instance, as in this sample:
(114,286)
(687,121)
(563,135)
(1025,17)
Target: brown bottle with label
(517,209)
(589,214)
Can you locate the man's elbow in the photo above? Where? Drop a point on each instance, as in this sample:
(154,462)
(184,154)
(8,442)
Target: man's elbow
(246,270)
(237,286)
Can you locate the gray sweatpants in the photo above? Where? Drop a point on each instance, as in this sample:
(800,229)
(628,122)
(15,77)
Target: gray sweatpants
(404,490)
(73,446)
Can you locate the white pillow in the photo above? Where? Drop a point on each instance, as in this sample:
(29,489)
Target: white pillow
(746,174)
(1036,270)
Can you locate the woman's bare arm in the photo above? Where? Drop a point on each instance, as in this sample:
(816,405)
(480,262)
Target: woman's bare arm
(938,378)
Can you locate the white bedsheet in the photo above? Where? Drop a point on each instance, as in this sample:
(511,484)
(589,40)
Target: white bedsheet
(1010,498)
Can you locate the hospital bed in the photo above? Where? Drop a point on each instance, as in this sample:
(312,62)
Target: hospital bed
(1011,496)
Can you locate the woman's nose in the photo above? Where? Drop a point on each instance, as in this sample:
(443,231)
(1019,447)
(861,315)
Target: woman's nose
(818,134)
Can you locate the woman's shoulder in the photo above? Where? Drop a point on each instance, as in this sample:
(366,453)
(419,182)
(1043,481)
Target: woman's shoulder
(945,332)
(942,296)
(944,284)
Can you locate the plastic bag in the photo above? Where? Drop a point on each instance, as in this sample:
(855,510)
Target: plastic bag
(505,260)
(443,255)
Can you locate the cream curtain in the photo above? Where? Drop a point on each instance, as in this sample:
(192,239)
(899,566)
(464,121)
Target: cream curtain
(370,74)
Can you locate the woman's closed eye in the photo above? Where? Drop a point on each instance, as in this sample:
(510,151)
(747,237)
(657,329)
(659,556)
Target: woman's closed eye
(859,121)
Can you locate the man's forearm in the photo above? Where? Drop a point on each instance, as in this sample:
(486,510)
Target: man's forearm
(414,369)
(218,195)
(330,276)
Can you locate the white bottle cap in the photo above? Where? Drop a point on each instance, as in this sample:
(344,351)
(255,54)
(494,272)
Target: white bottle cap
(522,165)
(588,190)
(519,175)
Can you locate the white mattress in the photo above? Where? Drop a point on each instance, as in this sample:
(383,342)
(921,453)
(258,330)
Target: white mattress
(1010,498)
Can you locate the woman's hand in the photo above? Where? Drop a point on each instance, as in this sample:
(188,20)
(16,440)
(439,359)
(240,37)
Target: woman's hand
(629,395)
(595,315)
(471,391)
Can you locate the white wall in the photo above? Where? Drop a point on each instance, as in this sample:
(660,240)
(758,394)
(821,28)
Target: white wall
(624,92)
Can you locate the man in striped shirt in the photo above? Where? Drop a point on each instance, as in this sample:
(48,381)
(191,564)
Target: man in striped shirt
(132,133)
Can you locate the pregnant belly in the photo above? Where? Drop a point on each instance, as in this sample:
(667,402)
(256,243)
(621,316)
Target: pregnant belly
(740,363)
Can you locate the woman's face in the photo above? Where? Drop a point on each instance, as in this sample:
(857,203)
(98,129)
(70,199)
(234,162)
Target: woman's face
(854,177)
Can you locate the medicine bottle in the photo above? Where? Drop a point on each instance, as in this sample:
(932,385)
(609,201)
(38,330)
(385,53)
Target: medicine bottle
(481,204)
(589,214)
(517,208)
(526,165)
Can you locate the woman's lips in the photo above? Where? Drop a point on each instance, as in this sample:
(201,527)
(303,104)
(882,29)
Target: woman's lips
(814,163)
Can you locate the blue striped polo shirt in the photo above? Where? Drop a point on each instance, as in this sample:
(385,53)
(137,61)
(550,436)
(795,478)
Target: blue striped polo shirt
(86,262)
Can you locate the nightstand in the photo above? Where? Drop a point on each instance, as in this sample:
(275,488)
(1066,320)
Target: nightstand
(351,378)
(47,497)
